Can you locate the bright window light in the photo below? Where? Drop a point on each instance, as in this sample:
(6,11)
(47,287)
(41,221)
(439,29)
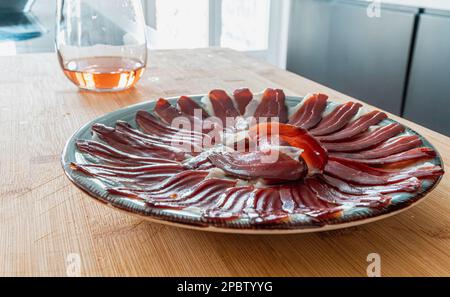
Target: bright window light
(245,24)
(181,24)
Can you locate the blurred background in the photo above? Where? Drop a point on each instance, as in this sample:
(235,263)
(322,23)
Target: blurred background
(394,54)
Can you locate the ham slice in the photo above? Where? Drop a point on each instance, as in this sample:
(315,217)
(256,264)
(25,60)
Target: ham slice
(322,166)
(370,139)
(188,107)
(268,205)
(136,175)
(222,105)
(337,119)
(166,111)
(413,154)
(188,142)
(331,195)
(298,198)
(356,173)
(149,124)
(230,205)
(386,148)
(113,156)
(173,117)
(409,185)
(172,187)
(271,204)
(310,113)
(272,105)
(242,97)
(354,128)
(133,145)
(203,194)
(252,165)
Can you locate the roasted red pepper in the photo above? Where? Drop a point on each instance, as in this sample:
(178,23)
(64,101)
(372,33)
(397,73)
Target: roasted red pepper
(314,154)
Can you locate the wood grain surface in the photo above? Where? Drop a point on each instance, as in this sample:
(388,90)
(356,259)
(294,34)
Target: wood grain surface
(44,218)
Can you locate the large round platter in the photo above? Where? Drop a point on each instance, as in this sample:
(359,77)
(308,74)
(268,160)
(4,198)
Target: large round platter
(191,217)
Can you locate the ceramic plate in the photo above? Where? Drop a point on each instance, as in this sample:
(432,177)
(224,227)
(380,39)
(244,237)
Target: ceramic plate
(191,217)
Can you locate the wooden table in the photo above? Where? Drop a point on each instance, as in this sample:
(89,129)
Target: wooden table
(44,217)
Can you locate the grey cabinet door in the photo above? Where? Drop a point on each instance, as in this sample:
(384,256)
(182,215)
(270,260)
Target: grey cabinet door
(337,44)
(309,30)
(428,97)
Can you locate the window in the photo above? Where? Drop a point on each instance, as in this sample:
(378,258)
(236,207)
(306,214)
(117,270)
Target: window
(178,23)
(245,24)
(258,27)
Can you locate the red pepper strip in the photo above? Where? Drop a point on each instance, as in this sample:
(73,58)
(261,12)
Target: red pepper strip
(314,154)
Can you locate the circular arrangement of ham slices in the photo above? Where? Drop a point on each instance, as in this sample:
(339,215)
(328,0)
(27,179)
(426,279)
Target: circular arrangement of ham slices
(334,163)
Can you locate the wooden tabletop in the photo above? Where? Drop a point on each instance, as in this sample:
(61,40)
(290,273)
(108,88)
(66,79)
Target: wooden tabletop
(46,222)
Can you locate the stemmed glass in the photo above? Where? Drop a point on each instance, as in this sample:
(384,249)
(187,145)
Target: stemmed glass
(101,44)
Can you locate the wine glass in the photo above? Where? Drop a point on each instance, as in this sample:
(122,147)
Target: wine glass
(101,44)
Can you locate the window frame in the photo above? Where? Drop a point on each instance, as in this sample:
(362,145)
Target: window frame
(277,34)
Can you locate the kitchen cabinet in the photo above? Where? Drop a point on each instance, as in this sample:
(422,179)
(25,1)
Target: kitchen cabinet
(337,44)
(428,97)
(309,31)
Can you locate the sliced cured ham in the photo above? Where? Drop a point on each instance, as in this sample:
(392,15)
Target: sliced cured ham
(203,194)
(299,199)
(172,187)
(112,156)
(386,148)
(272,105)
(274,166)
(187,190)
(191,108)
(126,129)
(310,113)
(268,205)
(230,205)
(242,97)
(337,119)
(422,170)
(135,146)
(331,195)
(370,139)
(138,174)
(166,111)
(354,128)
(151,125)
(325,160)
(364,175)
(191,144)
(271,204)
(409,185)
(222,105)
(413,154)
(173,117)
